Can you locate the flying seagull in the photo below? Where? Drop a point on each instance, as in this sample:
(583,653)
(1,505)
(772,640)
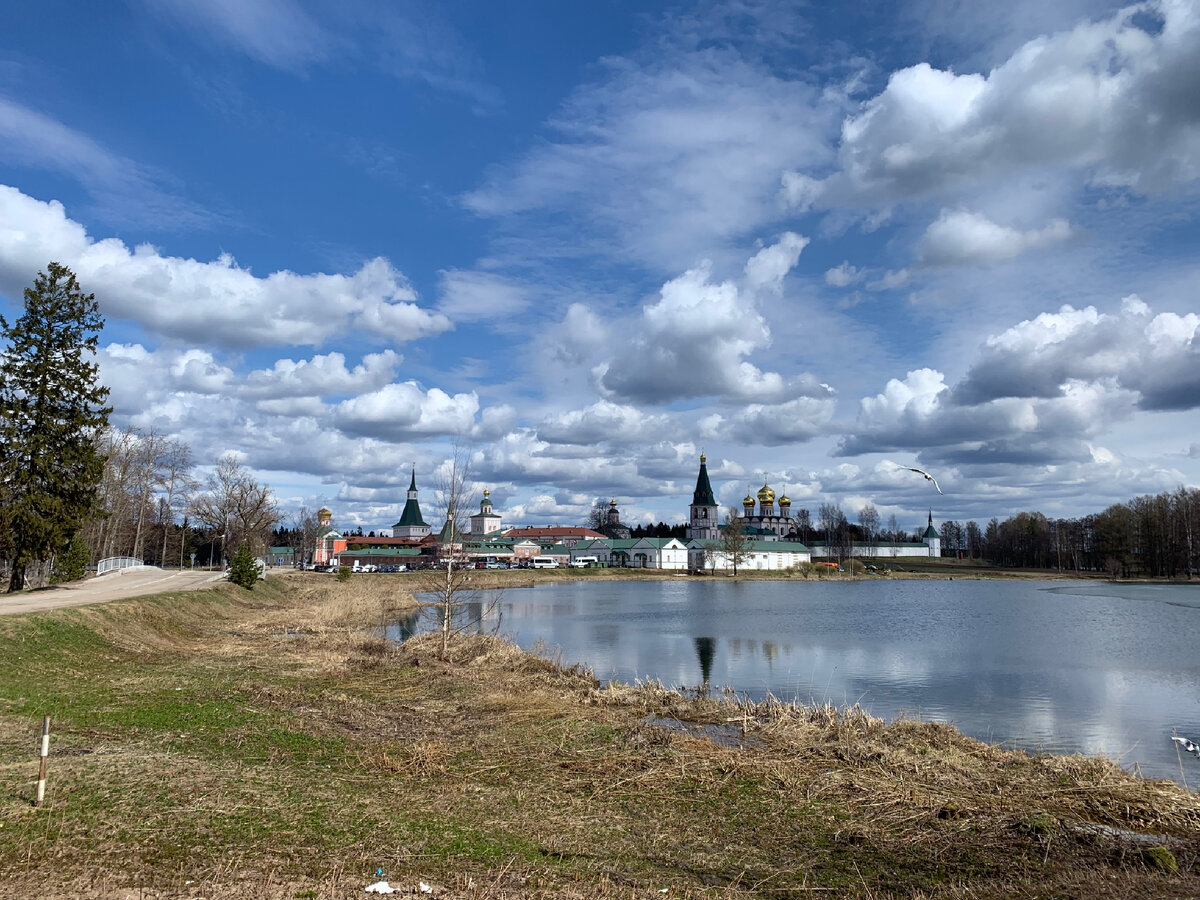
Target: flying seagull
(928,477)
(1187,745)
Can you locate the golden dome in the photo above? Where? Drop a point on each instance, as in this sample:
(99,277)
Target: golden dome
(749,501)
(613,502)
(324,512)
(784,500)
(486,493)
(766,495)
(703,458)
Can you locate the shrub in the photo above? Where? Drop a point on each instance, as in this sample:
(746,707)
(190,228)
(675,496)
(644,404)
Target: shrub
(343,573)
(242,570)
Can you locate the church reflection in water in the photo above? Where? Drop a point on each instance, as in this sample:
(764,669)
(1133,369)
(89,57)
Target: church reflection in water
(706,651)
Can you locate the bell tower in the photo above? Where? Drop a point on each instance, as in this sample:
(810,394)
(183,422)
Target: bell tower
(704,518)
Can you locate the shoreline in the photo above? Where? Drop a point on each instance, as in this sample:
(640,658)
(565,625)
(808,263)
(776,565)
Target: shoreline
(933,572)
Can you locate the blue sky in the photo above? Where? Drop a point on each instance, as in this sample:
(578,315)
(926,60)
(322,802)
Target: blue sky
(588,242)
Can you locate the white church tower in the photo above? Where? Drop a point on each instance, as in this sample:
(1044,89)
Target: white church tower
(485,521)
(932,538)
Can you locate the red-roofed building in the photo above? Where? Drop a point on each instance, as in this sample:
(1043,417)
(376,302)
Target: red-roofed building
(564,534)
(384,541)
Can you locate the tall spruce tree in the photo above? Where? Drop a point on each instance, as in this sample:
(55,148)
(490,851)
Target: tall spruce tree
(51,407)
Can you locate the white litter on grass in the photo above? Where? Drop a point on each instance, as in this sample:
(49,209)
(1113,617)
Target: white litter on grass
(380,887)
(425,889)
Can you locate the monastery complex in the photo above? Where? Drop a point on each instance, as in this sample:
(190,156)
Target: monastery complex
(769,539)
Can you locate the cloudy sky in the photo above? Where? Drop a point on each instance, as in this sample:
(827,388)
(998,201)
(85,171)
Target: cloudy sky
(588,242)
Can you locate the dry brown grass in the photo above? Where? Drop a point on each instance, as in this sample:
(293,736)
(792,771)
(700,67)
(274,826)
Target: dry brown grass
(271,746)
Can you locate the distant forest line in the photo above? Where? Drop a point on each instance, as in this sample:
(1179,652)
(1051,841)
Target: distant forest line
(1154,536)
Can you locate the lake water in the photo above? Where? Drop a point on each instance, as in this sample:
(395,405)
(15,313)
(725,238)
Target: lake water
(1056,666)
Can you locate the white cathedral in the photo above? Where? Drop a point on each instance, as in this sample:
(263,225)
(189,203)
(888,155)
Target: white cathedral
(772,529)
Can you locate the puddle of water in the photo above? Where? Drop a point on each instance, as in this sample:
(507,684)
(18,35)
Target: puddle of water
(729,735)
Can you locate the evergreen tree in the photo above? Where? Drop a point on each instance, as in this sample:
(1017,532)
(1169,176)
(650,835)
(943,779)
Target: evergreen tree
(243,570)
(71,564)
(51,408)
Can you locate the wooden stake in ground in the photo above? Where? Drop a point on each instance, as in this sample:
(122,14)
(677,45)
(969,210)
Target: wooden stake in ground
(41,785)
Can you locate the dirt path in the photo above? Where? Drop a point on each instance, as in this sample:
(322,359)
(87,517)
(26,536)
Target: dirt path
(111,586)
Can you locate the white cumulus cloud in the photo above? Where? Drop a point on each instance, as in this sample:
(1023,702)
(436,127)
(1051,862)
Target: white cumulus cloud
(406,411)
(217,302)
(1156,356)
(961,237)
(322,376)
(601,422)
(698,338)
(1041,391)
(1113,99)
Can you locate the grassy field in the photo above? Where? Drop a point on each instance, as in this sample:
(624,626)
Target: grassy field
(271,745)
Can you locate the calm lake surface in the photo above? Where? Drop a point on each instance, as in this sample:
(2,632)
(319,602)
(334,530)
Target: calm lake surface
(1055,666)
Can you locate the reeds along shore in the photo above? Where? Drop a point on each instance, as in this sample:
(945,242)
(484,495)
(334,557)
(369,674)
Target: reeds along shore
(229,744)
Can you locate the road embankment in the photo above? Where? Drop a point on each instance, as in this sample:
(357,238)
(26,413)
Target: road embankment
(118,585)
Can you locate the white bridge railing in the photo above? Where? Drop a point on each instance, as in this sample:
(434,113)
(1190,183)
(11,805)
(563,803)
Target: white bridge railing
(115,563)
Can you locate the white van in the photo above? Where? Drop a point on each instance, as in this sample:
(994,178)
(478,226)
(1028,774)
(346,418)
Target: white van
(544,562)
(585,562)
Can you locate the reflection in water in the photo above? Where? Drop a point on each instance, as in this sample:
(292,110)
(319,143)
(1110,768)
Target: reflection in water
(405,627)
(606,634)
(481,614)
(1061,667)
(706,649)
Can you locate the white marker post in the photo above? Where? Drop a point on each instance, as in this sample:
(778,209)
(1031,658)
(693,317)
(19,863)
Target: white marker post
(41,785)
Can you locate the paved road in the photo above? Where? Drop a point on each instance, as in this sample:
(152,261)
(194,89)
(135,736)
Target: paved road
(111,586)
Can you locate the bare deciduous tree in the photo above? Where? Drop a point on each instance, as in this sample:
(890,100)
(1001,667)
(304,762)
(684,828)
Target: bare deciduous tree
(952,537)
(893,528)
(175,477)
(306,526)
(734,543)
(111,536)
(459,605)
(803,521)
(868,521)
(237,507)
(597,518)
(147,472)
(835,527)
